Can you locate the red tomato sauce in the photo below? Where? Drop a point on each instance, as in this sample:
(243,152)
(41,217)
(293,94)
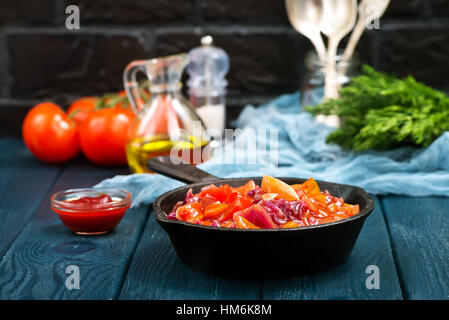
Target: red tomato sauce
(274,204)
(91,215)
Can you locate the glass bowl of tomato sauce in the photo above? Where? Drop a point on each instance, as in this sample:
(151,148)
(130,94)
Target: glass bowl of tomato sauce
(91,211)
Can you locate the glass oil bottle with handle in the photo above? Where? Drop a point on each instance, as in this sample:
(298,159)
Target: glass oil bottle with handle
(166,124)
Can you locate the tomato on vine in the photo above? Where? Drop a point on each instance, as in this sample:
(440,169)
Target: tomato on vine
(103,135)
(49,134)
(80,109)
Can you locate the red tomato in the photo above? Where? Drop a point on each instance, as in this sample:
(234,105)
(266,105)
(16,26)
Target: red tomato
(239,200)
(118,100)
(207,200)
(242,223)
(80,109)
(350,209)
(311,188)
(49,134)
(103,135)
(236,203)
(190,212)
(250,185)
(220,193)
(214,210)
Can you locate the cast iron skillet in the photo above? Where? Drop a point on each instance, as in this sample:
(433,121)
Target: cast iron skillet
(257,252)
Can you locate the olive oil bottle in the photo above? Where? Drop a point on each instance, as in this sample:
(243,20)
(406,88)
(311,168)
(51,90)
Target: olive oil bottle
(166,125)
(140,150)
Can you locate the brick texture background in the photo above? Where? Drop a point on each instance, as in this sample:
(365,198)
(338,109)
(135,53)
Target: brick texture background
(40,59)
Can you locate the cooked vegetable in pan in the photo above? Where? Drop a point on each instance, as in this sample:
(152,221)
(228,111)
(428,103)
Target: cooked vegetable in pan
(274,204)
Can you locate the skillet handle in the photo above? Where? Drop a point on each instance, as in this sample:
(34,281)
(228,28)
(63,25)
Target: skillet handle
(182,172)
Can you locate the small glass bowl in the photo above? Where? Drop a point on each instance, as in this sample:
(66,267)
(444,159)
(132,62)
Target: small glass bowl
(94,218)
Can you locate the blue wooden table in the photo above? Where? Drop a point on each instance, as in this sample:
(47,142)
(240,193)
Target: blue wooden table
(406,238)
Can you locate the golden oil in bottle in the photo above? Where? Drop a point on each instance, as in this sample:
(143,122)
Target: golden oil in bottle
(190,149)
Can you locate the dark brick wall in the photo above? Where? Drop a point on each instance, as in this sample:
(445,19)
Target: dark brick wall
(41,59)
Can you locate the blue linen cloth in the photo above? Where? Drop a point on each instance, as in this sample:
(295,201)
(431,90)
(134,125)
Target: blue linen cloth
(302,152)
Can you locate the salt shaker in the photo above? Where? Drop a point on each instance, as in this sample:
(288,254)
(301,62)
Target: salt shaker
(207,69)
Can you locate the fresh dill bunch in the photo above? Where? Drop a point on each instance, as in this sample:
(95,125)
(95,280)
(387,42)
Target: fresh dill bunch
(382,112)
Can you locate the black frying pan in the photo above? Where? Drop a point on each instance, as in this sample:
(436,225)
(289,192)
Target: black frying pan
(268,252)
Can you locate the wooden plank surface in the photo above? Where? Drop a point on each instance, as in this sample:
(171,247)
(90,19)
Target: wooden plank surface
(419,229)
(24,181)
(137,260)
(348,280)
(35,265)
(157,273)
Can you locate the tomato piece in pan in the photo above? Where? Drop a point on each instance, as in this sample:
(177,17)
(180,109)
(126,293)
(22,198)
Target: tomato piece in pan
(190,212)
(310,187)
(214,210)
(258,216)
(242,223)
(273,205)
(236,202)
(220,193)
(292,224)
(312,190)
(350,209)
(247,187)
(207,200)
(273,185)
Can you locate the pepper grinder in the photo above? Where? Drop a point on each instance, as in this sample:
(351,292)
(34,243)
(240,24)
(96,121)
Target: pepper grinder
(207,68)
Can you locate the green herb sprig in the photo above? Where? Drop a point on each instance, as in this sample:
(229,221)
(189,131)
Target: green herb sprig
(382,112)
